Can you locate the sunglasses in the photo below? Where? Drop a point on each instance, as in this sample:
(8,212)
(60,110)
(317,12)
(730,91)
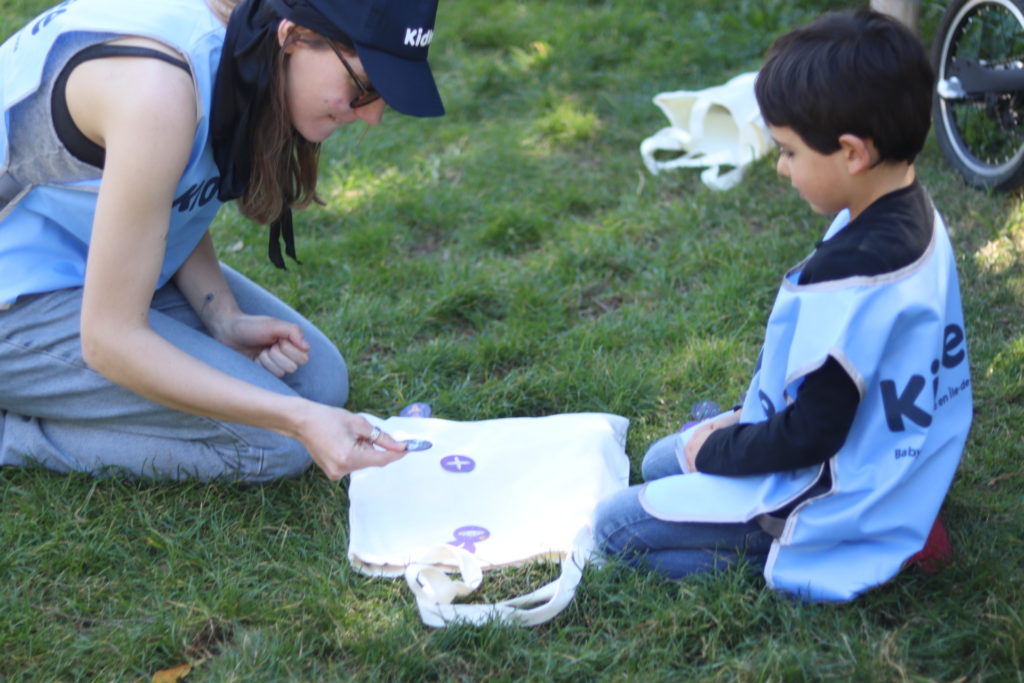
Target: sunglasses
(367,95)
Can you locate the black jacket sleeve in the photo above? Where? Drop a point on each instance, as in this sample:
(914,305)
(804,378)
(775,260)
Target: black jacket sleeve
(807,432)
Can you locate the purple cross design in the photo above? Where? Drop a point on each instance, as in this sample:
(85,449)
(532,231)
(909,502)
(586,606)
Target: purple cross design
(459,464)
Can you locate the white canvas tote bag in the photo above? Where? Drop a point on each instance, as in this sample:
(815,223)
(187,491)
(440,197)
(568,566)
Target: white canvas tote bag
(486,494)
(711,129)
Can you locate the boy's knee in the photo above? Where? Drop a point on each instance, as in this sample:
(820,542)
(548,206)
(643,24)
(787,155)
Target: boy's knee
(612,516)
(661,459)
(602,528)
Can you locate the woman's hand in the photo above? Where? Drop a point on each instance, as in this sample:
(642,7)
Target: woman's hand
(275,344)
(341,442)
(701,434)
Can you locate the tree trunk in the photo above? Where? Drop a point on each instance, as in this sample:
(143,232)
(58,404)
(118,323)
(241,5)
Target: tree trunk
(906,11)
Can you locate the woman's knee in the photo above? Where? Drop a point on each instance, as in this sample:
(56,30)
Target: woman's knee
(286,464)
(282,457)
(256,455)
(324,378)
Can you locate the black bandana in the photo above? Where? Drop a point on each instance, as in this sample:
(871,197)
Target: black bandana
(303,13)
(242,88)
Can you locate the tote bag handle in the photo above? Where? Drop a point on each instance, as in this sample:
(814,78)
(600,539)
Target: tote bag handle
(435,590)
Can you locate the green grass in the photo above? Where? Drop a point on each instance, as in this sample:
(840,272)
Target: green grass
(514,258)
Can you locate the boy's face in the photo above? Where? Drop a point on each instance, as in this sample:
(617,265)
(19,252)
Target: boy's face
(819,178)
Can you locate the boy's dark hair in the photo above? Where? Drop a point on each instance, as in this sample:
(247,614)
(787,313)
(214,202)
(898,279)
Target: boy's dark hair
(858,72)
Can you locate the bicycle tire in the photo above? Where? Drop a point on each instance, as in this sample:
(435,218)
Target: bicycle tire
(981,137)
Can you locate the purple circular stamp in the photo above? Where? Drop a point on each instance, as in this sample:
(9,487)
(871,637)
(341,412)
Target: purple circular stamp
(416,410)
(472,533)
(468,536)
(459,464)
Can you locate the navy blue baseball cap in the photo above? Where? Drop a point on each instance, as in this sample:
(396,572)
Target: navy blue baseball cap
(391,38)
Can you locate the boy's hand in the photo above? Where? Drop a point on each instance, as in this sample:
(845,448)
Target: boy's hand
(701,434)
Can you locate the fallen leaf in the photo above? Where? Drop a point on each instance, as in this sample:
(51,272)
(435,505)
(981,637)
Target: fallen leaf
(173,674)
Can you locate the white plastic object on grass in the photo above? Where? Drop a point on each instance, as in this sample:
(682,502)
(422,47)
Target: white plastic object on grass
(714,129)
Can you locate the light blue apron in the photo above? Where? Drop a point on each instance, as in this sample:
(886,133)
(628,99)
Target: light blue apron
(45,229)
(900,337)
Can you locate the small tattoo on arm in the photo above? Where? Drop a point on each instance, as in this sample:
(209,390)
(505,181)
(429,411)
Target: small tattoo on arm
(207,300)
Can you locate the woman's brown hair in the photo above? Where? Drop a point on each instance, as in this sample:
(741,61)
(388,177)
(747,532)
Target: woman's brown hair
(284,164)
(222,8)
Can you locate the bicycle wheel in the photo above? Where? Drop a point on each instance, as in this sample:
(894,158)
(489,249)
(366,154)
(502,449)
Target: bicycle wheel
(981,134)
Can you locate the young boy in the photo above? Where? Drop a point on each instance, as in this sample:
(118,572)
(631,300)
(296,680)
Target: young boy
(832,473)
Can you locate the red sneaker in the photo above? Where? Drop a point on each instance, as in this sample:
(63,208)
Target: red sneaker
(937,551)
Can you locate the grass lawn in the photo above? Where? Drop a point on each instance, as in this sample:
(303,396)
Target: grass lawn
(514,258)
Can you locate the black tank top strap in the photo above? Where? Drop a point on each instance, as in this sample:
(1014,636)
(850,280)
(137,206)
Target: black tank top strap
(81,147)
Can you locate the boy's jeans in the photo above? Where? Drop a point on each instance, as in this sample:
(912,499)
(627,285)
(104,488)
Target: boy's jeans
(676,549)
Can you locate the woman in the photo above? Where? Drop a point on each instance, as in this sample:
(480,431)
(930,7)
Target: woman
(124,343)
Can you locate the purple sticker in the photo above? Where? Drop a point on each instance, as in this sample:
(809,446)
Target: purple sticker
(460,464)
(467,537)
(702,410)
(472,533)
(416,410)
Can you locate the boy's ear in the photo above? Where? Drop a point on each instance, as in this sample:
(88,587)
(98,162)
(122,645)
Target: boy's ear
(859,153)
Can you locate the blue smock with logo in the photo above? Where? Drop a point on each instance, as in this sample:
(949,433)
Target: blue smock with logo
(45,227)
(900,337)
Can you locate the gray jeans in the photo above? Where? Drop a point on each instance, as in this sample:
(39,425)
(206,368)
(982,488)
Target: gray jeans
(59,413)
